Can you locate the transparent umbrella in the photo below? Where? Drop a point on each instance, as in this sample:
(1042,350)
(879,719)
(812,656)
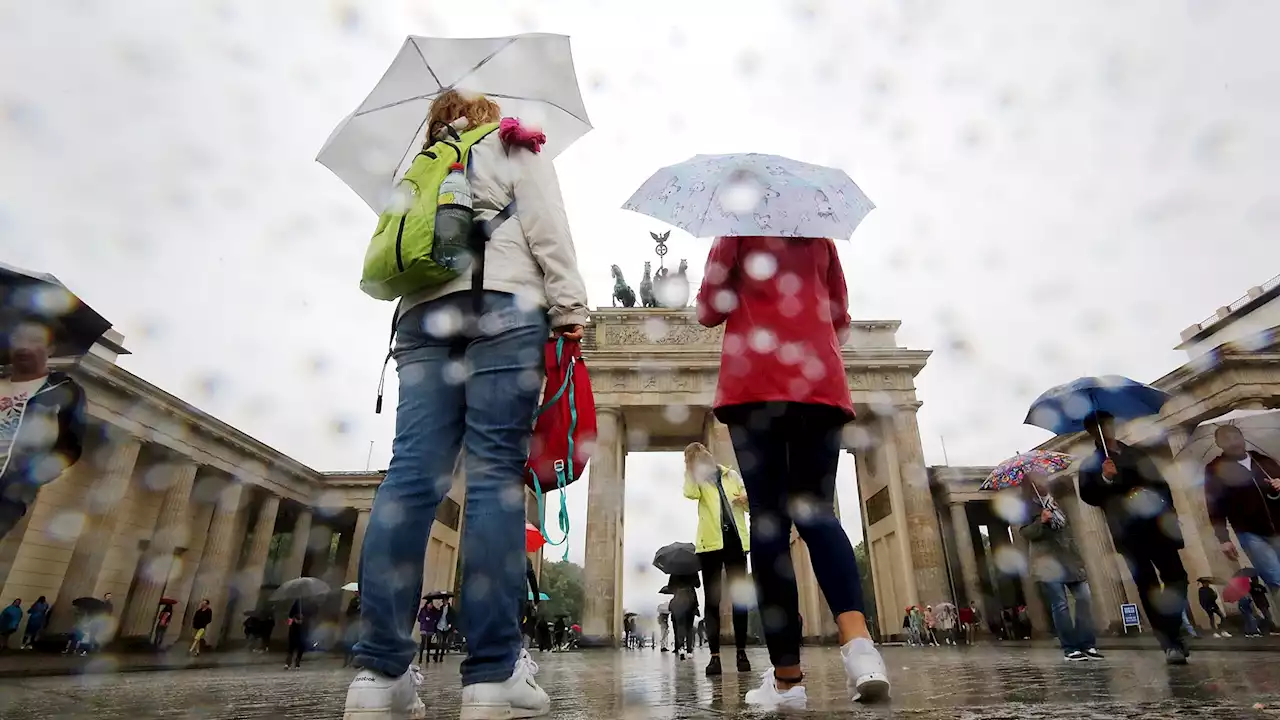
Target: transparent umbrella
(530,76)
(300,589)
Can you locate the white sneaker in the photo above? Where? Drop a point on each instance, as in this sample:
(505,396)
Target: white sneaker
(767,695)
(518,697)
(868,680)
(1226,634)
(374,696)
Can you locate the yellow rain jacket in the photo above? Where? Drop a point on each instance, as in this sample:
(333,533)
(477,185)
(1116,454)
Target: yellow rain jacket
(708,497)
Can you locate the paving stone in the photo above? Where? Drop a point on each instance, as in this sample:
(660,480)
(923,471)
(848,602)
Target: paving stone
(983,682)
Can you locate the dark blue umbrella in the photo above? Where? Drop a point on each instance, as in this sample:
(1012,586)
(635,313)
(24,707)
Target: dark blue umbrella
(1062,409)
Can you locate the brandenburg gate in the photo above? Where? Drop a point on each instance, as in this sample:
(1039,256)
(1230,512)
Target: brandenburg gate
(654,371)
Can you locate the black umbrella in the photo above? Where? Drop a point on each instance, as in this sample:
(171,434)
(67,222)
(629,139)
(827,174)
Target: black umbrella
(437,595)
(89,604)
(27,295)
(677,559)
(666,590)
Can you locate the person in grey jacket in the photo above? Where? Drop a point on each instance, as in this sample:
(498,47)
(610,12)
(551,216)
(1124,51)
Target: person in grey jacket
(1057,565)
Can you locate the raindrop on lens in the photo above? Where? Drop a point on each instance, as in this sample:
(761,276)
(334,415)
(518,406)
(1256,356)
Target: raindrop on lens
(761,265)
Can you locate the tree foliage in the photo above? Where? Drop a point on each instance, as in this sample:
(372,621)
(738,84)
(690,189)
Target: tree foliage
(562,582)
(868,583)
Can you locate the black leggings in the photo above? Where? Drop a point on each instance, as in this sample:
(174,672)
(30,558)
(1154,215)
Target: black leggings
(788,454)
(297,646)
(715,565)
(1161,580)
(684,631)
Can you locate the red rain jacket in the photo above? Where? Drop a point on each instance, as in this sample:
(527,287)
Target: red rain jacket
(784,304)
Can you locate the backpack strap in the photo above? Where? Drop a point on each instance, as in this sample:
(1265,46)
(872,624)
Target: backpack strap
(481,232)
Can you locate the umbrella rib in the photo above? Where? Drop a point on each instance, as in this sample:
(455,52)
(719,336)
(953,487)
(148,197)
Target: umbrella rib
(477,66)
(557,106)
(442,87)
(426,64)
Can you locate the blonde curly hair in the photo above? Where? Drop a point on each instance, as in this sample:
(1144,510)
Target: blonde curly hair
(453,104)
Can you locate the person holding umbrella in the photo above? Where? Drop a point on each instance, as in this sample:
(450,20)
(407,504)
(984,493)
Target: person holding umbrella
(723,543)
(1242,490)
(33,402)
(1128,486)
(465,348)
(684,609)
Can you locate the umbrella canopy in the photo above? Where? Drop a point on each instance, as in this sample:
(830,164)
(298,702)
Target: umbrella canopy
(1238,586)
(438,595)
(300,589)
(752,194)
(1063,409)
(167,601)
(677,559)
(530,76)
(576,628)
(533,540)
(666,590)
(89,604)
(351,587)
(1011,472)
(29,295)
(541,596)
(1260,428)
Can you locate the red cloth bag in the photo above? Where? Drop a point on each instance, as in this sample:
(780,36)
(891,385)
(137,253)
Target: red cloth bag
(564,431)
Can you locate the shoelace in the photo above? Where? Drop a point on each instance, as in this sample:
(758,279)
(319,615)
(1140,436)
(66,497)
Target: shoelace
(528,663)
(415,674)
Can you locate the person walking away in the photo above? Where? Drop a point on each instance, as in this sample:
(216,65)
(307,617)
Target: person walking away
(1136,500)
(200,621)
(297,637)
(428,616)
(967,621)
(722,544)
(10,619)
(977,621)
(1247,614)
(251,632)
(1242,490)
(917,626)
(163,619)
(353,630)
(1056,563)
(444,628)
(42,423)
(1258,592)
(530,283)
(37,614)
(946,623)
(268,627)
(560,629)
(664,625)
(783,394)
(912,640)
(701,630)
(684,609)
(544,629)
(1209,604)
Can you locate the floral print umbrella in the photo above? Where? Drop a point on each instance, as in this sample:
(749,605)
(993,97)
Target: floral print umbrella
(1011,472)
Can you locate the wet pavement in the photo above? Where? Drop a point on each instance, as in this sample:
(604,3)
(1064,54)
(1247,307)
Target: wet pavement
(983,682)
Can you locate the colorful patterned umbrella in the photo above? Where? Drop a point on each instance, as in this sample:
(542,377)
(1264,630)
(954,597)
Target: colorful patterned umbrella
(1011,472)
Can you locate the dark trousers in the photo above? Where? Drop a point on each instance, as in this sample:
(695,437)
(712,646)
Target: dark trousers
(716,564)
(1215,616)
(297,645)
(1162,586)
(441,639)
(788,455)
(683,625)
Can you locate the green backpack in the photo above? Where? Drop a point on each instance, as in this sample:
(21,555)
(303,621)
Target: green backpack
(410,251)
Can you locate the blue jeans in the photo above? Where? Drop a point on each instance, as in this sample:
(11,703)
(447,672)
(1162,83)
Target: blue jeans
(1264,553)
(1077,635)
(1245,605)
(481,398)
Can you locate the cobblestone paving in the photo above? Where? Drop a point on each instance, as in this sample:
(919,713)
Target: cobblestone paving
(938,683)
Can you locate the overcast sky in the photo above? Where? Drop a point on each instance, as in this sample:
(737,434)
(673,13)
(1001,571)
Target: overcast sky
(1060,191)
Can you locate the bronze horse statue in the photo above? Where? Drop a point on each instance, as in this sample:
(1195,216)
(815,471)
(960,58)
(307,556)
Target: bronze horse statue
(622,293)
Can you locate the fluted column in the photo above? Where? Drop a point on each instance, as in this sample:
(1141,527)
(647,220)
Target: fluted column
(214,575)
(248,582)
(605,489)
(1093,539)
(357,546)
(99,526)
(923,534)
(171,533)
(968,559)
(298,541)
(1036,609)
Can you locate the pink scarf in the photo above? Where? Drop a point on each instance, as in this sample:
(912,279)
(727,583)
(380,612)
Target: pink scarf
(512,133)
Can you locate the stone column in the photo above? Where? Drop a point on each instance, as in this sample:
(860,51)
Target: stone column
(220,553)
(91,548)
(1203,554)
(886,461)
(927,559)
(968,559)
(171,533)
(605,494)
(186,566)
(299,538)
(357,546)
(1036,609)
(248,582)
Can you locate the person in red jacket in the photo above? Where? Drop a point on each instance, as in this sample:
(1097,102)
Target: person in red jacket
(783,394)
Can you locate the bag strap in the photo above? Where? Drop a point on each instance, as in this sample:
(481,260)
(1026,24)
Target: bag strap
(561,477)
